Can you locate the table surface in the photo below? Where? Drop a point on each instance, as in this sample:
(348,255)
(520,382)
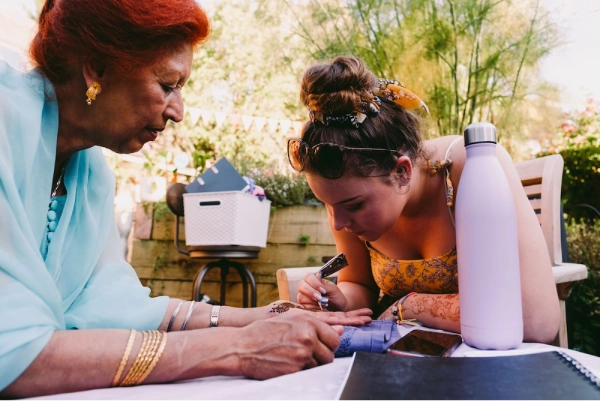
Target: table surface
(320,383)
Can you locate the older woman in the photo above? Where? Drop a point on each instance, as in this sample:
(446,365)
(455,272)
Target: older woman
(74,315)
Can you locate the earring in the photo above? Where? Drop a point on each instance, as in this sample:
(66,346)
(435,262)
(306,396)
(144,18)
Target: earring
(92,92)
(403,176)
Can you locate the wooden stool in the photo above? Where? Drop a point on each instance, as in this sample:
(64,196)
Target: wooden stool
(225,254)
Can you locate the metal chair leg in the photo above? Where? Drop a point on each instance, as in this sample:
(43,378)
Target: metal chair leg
(252,285)
(247,277)
(223,265)
(198,282)
(239,268)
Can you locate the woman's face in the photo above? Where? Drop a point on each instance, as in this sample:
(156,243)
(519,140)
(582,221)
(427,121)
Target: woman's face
(131,111)
(366,207)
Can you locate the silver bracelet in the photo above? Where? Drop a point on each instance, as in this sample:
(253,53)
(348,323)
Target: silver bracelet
(214,315)
(173,316)
(187,317)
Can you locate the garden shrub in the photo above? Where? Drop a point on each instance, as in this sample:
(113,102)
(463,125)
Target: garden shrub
(285,189)
(578,142)
(583,313)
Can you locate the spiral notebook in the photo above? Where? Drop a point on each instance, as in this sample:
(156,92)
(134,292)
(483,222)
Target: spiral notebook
(548,375)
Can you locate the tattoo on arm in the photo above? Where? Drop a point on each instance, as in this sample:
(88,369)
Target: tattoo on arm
(286,306)
(443,307)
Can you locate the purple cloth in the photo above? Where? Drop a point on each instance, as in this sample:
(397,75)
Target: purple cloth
(374,337)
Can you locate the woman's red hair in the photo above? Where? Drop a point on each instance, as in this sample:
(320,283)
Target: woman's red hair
(121,34)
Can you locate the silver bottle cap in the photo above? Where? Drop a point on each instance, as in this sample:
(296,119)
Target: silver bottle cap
(480,132)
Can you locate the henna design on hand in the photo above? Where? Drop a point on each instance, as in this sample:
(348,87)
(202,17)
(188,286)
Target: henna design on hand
(286,306)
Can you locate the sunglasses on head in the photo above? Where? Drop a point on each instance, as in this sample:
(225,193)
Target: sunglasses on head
(328,159)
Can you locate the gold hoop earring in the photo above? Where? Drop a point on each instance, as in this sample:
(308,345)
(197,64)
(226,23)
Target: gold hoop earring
(92,92)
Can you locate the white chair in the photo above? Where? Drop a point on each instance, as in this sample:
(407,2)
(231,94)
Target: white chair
(541,179)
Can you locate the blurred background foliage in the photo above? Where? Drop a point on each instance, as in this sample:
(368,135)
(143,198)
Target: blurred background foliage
(470,60)
(583,306)
(578,141)
(246,68)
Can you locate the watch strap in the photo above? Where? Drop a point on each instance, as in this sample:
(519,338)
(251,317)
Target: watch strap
(214,315)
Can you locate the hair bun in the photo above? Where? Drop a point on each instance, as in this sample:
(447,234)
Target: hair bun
(337,88)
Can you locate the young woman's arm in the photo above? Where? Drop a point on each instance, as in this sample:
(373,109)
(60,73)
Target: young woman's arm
(541,313)
(439,311)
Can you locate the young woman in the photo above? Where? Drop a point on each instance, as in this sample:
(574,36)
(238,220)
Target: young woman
(390,198)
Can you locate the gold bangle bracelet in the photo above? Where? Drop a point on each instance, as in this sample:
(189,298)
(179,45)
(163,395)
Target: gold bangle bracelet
(124,358)
(155,359)
(136,364)
(147,360)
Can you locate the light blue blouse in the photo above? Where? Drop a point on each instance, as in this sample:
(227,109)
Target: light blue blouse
(84,282)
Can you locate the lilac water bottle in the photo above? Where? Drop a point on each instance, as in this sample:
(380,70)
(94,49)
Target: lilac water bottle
(489,285)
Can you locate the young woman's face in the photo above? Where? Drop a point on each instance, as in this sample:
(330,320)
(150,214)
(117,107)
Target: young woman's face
(366,207)
(134,110)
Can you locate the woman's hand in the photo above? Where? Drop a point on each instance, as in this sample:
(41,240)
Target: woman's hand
(285,344)
(358,317)
(313,289)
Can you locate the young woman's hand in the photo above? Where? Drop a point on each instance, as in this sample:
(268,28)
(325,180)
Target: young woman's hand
(314,290)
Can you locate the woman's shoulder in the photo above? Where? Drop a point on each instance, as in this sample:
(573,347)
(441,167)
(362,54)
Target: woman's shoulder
(444,147)
(22,90)
(17,79)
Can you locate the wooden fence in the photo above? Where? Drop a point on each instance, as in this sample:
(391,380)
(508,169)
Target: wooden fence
(298,236)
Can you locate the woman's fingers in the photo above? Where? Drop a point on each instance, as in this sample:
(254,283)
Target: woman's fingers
(338,329)
(308,293)
(287,343)
(324,354)
(359,317)
(313,284)
(311,303)
(360,312)
(313,290)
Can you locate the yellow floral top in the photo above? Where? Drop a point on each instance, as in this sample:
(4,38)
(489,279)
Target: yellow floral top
(397,278)
(438,275)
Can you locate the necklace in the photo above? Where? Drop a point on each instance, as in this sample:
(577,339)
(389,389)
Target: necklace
(52,215)
(60,177)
